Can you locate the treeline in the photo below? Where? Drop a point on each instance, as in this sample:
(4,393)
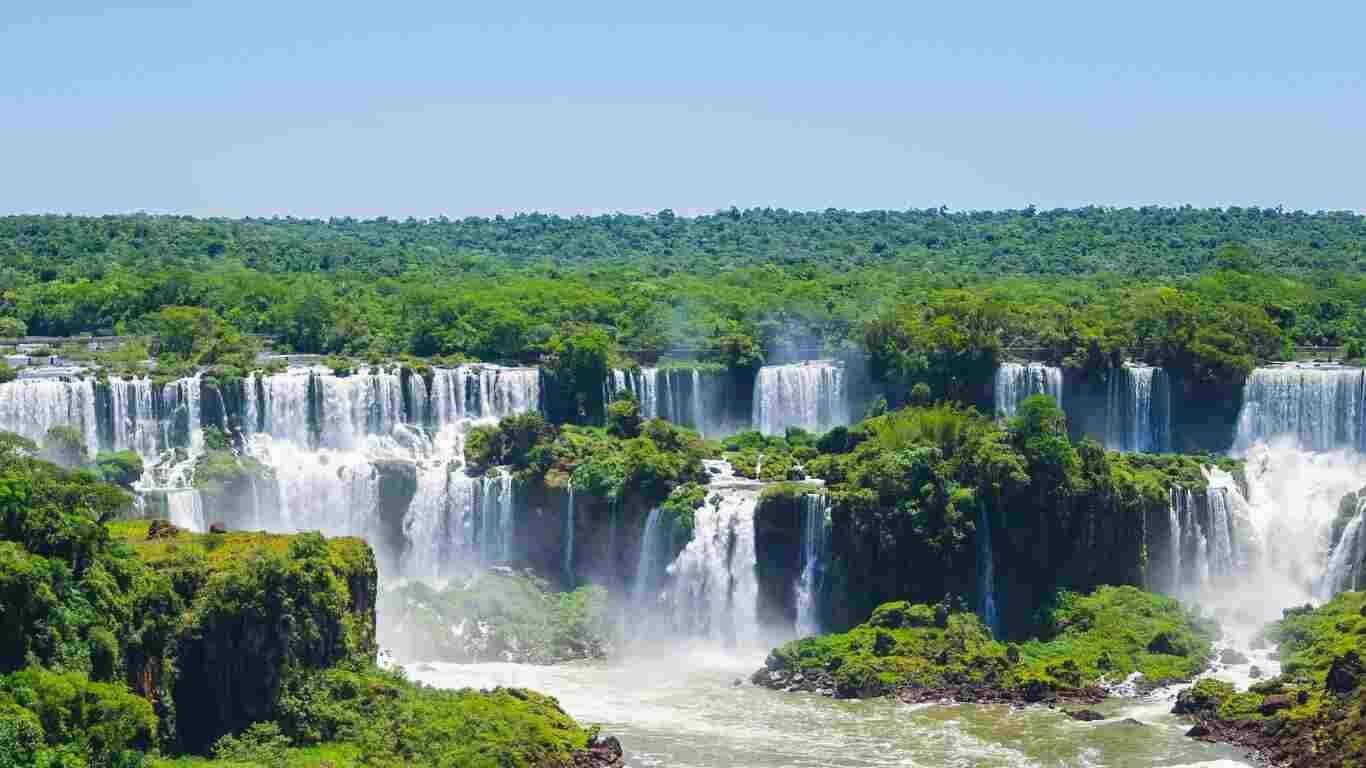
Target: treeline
(1247,290)
(1149,241)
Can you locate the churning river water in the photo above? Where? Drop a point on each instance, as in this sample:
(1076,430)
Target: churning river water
(676,708)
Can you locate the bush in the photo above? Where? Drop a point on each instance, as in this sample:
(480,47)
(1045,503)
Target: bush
(7,374)
(121,468)
(623,418)
(103,722)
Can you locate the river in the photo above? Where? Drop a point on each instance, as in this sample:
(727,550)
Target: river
(678,708)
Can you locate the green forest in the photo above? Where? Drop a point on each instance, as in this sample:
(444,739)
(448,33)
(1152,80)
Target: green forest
(926,296)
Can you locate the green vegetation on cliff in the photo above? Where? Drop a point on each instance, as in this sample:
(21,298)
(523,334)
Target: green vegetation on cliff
(930,652)
(122,641)
(1314,713)
(911,490)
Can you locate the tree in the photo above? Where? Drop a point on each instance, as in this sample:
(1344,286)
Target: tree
(12,328)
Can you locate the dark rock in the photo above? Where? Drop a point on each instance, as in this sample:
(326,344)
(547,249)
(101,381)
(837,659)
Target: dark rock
(1035,691)
(218,528)
(1165,644)
(162,529)
(1198,731)
(1130,722)
(1255,673)
(736,683)
(1345,674)
(1275,703)
(1084,715)
(601,752)
(1232,656)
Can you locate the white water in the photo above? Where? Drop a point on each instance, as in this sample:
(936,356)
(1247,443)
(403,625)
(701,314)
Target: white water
(715,587)
(569,537)
(677,395)
(1138,410)
(1319,408)
(1345,565)
(986,573)
(650,565)
(815,519)
(676,706)
(809,395)
(1017,381)
(30,407)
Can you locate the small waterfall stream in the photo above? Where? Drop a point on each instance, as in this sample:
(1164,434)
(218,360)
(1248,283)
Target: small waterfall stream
(810,395)
(1017,381)
(815,521)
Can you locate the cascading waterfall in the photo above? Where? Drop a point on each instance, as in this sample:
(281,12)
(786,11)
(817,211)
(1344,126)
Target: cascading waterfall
(1138,410)
(134,423)
(1180,510)
(1318,408)
(650,564)
(809,395)
(324,438)
(1017,381)
(1344,568)
(185,509)
(1222,559)
(30,407)
(677,395)
(569,536)
(498,521)
(986,573)
(715,588)
(815,519)
(483,392)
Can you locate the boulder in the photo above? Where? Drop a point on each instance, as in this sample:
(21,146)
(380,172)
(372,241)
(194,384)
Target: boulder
(1255,673)
(1084,715)
(1275,703)
(218,527)
(1198,731)
(1345,673)
(162,529)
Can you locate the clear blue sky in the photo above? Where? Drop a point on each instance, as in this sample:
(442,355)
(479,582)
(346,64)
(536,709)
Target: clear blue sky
(292,107)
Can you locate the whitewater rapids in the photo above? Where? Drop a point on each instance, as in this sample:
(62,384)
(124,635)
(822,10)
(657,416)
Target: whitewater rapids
(678,708)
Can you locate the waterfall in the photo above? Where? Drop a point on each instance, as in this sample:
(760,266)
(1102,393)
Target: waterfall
(986,573)
(569,536)
(30,407)
(809,395)
(1221,560)
(1017,381)
(677,395)
(185,509)
(650,563)
(428,527)
(483,392)
(815,513)
(133,417)
(1344,568)
(498,523)
(1317,408)
(1180,508)
(698,422)
(716,590)
(1138,410)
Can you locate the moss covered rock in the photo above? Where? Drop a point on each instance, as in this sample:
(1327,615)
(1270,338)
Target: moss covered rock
(928,653)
